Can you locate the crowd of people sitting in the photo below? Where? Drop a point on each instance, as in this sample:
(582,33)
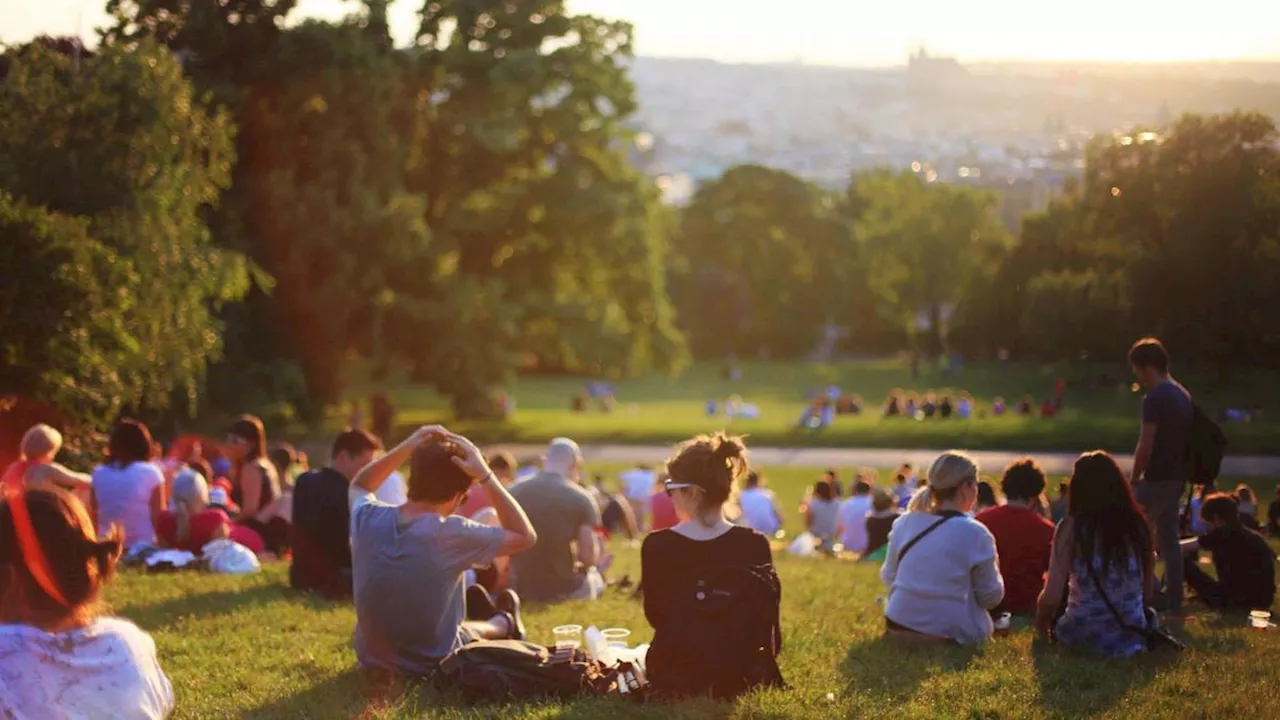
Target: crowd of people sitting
(470,538)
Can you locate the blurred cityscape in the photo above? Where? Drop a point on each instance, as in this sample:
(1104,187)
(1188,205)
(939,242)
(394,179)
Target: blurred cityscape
(1018,128)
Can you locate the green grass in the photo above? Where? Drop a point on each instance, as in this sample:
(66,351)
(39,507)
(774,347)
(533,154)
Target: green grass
(248,647)
(660,409)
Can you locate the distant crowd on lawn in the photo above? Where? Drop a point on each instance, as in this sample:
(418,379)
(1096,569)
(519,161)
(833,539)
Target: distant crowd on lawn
(439,563)
(824,406)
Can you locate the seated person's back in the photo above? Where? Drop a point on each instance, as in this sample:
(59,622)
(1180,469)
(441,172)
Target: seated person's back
(190,524)
(409,562)
(321,519)
(942,584)
(1024,538)
(565,517)
(710,589)
(58,656)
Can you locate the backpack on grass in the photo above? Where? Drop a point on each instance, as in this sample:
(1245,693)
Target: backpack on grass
(500,670)
(726,631)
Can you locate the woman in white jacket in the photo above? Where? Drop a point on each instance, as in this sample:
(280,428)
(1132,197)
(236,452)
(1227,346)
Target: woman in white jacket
(941,566)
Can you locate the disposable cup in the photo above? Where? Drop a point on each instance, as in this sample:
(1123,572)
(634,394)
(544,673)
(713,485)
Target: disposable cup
(1260,619)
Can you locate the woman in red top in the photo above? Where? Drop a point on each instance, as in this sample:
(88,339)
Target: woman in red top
(191,524)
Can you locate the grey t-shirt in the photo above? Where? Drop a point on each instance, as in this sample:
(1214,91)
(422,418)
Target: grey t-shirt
(408,582)
(1168,405)
(557,509)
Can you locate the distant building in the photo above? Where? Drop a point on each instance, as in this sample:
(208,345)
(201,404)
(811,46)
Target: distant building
(926,71)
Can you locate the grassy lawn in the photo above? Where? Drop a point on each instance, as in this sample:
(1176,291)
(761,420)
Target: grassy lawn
(661,409)
(247,647)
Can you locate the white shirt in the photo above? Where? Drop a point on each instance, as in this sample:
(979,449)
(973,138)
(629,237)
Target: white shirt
(124,499)
(759,510)
(107,669)
(853,521)
(639,483)
(393,490)
(949,580)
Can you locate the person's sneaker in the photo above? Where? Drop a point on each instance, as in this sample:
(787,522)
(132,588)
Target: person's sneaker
(508,603)
(480,604)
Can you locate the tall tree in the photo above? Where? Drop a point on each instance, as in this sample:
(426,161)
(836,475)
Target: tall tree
(126,161)
(926,246)
(760,254)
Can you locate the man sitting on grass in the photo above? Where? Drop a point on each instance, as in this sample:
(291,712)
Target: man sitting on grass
(409,561)
(568,563)
(1024,538)
(1242,558)
(322,520)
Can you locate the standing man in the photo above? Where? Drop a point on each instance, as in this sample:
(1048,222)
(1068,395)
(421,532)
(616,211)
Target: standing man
(1161,465)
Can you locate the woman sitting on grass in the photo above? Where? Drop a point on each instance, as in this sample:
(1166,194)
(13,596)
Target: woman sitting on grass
(822,515)
(190,524)
(941,564)
(256,487)
(1102,554)
(58,655)
(710,589)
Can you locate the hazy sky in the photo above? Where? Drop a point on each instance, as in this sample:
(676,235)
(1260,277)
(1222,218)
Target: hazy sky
(852,32)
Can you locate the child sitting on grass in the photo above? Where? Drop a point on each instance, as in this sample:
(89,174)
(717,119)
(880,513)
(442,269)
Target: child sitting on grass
(1244,562)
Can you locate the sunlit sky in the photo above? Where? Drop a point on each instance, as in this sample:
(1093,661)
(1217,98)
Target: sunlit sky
(850,32)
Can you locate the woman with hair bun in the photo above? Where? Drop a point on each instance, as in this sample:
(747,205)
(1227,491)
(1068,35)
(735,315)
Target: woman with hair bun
(710,589)
(941,566)
(61,656)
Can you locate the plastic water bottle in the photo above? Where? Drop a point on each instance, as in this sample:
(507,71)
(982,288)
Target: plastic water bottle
(597,646)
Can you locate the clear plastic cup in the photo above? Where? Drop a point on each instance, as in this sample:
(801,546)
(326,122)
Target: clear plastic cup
(1260,619)
(616,637)
(568,639)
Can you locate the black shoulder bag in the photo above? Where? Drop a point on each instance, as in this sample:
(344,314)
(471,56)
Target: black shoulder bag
(1155,635)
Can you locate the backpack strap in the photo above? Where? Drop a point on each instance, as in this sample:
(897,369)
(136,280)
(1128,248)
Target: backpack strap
(912,543)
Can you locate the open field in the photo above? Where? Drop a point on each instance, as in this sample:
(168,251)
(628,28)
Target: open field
(248,647)
(659,409)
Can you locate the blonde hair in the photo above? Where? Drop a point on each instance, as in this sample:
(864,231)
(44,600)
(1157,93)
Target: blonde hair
(189,488)
(950,471)
(40,441)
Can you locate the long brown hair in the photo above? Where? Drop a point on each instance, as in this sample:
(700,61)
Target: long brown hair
(1109,525)
(79,563)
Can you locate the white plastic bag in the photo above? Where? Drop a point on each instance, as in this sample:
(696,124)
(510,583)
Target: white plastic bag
(804,544)
(177,558)
(229,557)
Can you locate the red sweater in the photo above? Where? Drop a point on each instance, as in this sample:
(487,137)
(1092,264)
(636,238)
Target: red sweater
(1024,539)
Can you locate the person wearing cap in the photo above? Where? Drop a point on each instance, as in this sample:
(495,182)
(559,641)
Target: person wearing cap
(566,564)
(60,655)
(409,562)
(941,566)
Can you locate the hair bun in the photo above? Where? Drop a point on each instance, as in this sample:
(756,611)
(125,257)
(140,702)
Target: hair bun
(727,447)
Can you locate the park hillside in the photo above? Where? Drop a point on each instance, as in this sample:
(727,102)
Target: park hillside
(208,627)
(221,209)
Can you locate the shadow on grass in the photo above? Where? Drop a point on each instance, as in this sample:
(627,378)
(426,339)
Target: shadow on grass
(342,695)
(1088,683)
(213,604)
(891,670)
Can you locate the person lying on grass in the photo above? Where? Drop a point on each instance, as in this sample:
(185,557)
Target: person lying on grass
(941,564)
(408,562)
(59,655)
(1244,562)
(1102,554)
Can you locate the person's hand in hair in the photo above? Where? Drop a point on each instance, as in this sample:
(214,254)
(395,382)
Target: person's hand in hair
(468,457)
(371,476)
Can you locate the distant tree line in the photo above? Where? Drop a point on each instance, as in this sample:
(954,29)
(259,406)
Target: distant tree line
(216,212)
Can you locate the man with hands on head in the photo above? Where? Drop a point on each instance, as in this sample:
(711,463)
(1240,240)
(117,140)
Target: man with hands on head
(408,562)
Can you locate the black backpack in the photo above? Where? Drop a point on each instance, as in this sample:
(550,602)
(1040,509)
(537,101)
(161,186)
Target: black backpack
(501,670)
(722,636)
(1206,445)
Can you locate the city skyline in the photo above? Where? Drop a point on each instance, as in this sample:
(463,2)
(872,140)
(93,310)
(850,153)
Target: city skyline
(846,32)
